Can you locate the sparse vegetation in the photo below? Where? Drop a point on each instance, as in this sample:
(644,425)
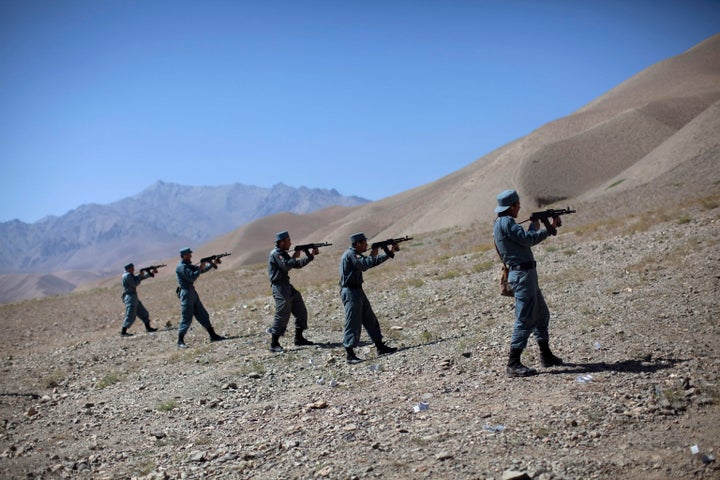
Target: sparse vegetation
(615,184)
(426,336)
(167,406)
(108,379)
(53,380)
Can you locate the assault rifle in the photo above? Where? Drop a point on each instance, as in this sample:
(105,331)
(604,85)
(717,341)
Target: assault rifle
(306,247)
(150,269)
(547,214)
(390,241)
(216,258)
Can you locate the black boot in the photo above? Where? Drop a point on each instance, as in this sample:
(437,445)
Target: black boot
(275,346)
(300,340)
(547,359)
(515,368)
(149,329)
(181,341)
(383,349)
(124,333)
(214,337)
(350,356)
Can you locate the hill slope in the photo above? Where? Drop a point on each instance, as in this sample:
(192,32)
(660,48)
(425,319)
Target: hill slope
(640,147)
(634,316)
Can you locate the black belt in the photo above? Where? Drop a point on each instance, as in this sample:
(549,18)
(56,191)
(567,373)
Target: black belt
(524,266)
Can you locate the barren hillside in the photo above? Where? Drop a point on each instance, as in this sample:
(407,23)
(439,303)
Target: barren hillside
(646,143)
(634,315)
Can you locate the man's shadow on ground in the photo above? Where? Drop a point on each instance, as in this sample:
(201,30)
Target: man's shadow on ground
(366,343)
(624,366)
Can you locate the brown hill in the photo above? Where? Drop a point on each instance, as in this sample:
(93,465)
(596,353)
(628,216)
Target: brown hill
(641,146)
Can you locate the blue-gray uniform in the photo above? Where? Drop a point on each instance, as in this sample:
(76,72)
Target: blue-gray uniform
(531,311)
(358,311)
(287,299)
(133,306)
(190,302)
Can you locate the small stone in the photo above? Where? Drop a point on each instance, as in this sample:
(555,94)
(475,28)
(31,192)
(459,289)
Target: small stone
(324,472)
(197,456)
(317,405)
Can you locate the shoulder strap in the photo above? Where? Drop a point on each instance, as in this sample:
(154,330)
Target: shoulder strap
(496,247)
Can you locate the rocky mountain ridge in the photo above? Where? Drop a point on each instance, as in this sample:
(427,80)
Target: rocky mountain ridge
(151,225)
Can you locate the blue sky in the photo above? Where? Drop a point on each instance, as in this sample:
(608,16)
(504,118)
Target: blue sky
(99,99)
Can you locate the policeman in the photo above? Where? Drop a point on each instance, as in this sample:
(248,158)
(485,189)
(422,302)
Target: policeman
(133,306)
(531,312)
(190,304)
(287,299)
(358,311)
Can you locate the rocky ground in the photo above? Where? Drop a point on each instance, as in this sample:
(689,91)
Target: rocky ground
(634,307)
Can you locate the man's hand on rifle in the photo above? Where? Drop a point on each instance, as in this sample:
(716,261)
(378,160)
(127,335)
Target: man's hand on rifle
(389,249)
(556,222)
(308,252)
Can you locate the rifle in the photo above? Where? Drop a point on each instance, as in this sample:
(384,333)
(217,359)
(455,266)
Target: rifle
(390,241)
(151,268)
(311,246)
(215,257)
(546,214)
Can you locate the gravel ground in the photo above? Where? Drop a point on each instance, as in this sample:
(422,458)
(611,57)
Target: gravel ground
(634,315)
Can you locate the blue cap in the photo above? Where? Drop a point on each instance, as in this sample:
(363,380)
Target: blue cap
(506,199)
(185,251)
(357,237)
(129,266)
(281,235)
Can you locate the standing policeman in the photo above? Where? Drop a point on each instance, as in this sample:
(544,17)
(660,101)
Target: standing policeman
(190,304)
(133,306)
(358,311)
(532,316)
(287,299)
